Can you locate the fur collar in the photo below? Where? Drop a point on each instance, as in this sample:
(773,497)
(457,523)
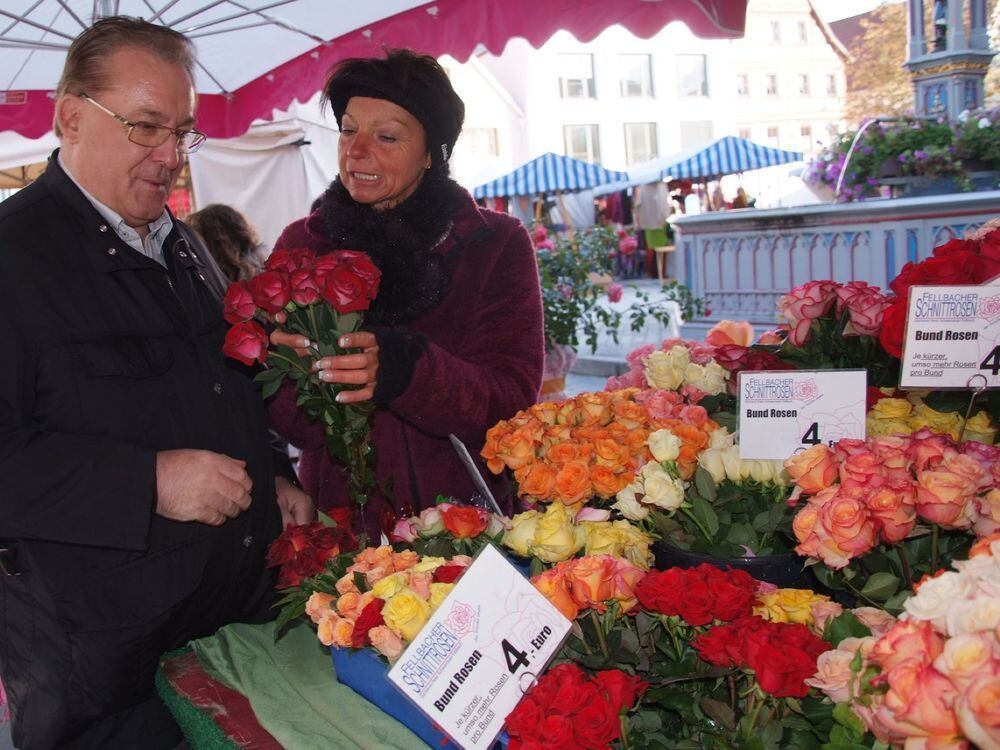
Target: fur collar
(400,241)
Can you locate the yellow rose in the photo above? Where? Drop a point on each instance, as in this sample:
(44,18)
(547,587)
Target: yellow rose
(892,408)
(664,445)
(390,585)
(428,564)
(405,613)
(635,545)
(521,532)
(710,378)
(981,429)
(877,427)
(666,369)
(789,605)
(946,423)
(438,593)
(556,538)
(662,490)
(602,538)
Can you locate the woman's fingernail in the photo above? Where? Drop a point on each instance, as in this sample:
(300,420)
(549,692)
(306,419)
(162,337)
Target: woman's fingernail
(325,375)
(344,341)
(340,398)
(306,343)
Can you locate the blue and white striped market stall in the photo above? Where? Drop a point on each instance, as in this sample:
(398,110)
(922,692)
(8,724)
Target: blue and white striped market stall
(728,155)
(549,173)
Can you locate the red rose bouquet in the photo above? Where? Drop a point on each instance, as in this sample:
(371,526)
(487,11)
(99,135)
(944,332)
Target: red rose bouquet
(323,299)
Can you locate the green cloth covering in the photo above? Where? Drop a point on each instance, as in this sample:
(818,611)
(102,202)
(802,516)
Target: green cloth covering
(197,726)
(656,238)
(294,692)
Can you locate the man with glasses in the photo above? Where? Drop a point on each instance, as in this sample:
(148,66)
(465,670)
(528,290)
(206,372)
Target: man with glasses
(137,486)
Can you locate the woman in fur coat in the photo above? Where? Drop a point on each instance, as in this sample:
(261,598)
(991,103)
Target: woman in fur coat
(454,340)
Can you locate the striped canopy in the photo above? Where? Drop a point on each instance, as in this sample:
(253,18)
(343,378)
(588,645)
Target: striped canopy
(547,174)
(727,155)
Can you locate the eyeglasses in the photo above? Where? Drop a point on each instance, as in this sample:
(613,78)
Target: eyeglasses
(151,135)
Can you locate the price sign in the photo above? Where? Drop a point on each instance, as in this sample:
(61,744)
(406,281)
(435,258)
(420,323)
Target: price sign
(783,412)
(952,338)
(480,651)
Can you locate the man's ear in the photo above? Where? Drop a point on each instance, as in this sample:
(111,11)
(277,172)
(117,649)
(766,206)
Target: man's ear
(68,113)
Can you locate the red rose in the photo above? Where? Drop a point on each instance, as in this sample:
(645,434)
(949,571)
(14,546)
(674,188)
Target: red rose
(346,291)
(448,573)
(721,645)
(596,725)
(288,577)
(556,732)
(783,656)
(370,617)
(464,522)
(331,539)
(734,591)
(523,721)
(304,288)
(342,516)
(622,689)
(289,260)
(270,290)
(573,695)
(893,326)
(362,265)
(694,602)
(989,257)
(238,304)
(246,342)
(658,590)
(953,268)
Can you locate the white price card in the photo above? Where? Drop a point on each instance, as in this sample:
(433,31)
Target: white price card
(783,412)
(487,643)
(952,338)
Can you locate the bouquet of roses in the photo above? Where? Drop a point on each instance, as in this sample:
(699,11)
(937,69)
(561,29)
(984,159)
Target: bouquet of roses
(323,299)
(448,528)
(886,510)
(906,413)
(932,679)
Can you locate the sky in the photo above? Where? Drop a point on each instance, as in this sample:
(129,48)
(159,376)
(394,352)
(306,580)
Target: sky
(834,10)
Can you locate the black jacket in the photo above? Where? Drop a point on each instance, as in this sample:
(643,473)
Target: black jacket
(108,358)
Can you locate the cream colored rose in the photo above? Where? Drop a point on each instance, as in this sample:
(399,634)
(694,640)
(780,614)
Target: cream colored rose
(521,532)
(661,489)
(736,469)
(406,613)
(390,585)
(710,378)
(666,369)
(556,538)
(936,595)
(721,438)
(978,615)
(964,656)
(710,460)
(627,503)
(664,445)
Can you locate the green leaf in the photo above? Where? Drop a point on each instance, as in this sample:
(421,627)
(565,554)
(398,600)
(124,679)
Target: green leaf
(706,515)
(719,711)
(845,716)
(270,388)
(880,586)
(845,625)
(705,484)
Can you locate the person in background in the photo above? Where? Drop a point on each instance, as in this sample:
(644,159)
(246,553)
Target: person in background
(229,237)
(137,484)
(457,325)
(742,200)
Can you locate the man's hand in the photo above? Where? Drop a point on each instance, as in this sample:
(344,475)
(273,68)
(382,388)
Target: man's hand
(296,506)
(199,485)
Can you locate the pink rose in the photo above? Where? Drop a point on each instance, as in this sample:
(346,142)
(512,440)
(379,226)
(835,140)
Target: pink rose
(906,641)
(866,306)
(404,530)
(876,620)
(615,293)
(238,305)
(919,704)
(804,304)
(246,342)
(942,497)
(822,613)
(730,332)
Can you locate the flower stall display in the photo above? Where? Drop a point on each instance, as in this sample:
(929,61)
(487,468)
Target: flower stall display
(907,412)
(882,512)
(932,678)
(322,299)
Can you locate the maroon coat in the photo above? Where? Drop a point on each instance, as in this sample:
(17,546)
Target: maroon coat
(482,363)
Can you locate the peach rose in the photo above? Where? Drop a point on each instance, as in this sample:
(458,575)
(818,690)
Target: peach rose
(907,641)
(862,469)
(386,642)
(893,511)
(813,470)
(346,583)
(334,630)
(978,711)
(404,560)
(552,585)
(318,605)
(834,675)
(626,578)
(849,524)
(725,332)
(822,613)
(967,657)
(919,704)
(942,497)
(573,482)
(591,581)
(876,620)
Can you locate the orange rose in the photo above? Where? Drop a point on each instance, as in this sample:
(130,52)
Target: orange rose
(545,412)
(860,469)
(516,448)
(552,585)
(942,497)
(491,446)
(573,482)
(538,481)
(908,640)
(610,452)
(592,581)
(813,469)
(630,414)
(334,630)
(848,522)
(984,546)
(404,560)
(464,522)
(725,332)
(605,481)
(563,453)
(318,605)
(893,511)
(978,711)
(635,440)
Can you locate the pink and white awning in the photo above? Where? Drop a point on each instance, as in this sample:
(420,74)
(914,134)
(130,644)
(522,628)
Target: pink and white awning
(258,55)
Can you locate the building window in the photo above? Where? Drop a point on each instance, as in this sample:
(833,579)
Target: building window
(803,34)
(480,142)
(804,84)
(696,133)
(806,131)
(640,142)
(772,84)
(746,133)
(636,76)
(772,135)
(576,76)
(776,32)
(743,85)
(583,142)
(692,75)
(831,84)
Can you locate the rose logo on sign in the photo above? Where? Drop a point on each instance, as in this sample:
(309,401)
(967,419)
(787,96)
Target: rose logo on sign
(806,390)
(989,307)
(462,619)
